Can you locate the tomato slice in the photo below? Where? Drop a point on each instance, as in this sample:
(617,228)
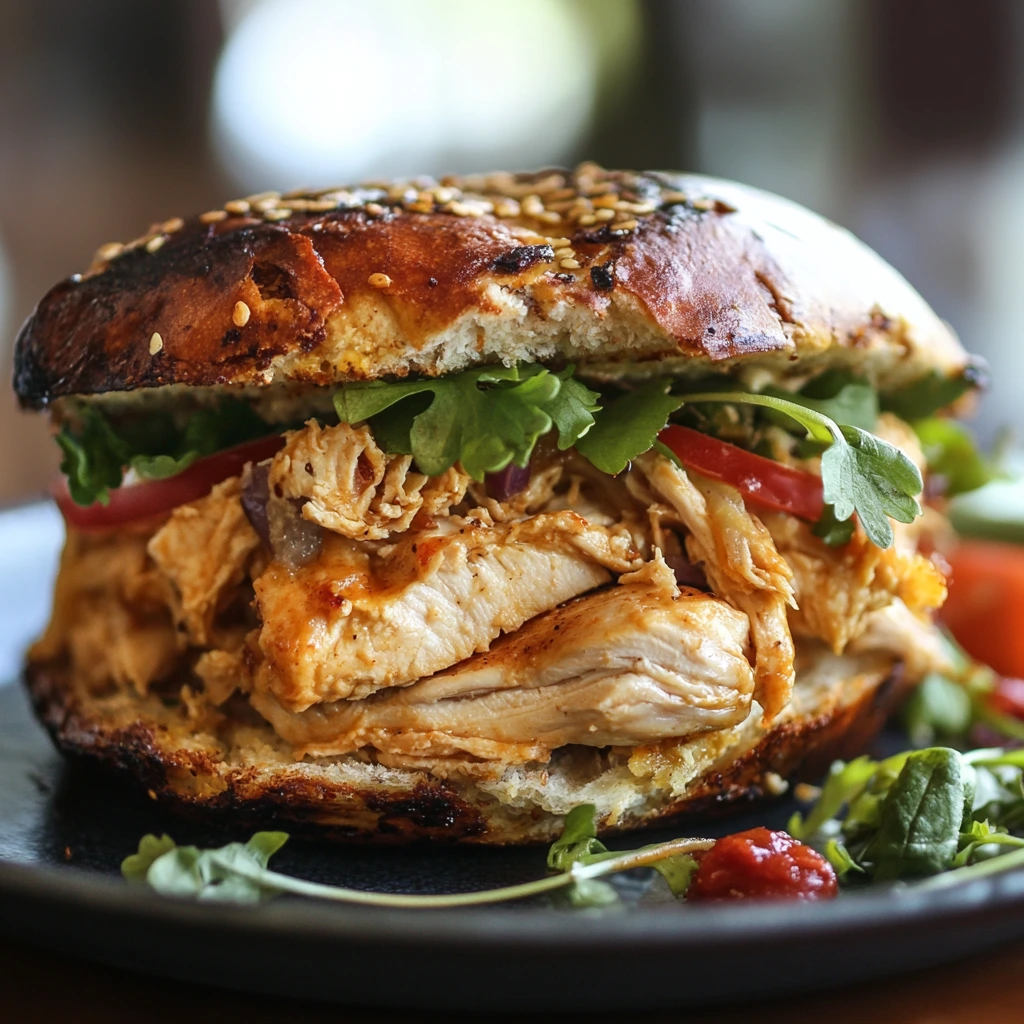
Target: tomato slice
(985,607)
(761,480)
(151,497)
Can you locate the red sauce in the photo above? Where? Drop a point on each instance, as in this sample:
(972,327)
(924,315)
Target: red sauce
(761,864)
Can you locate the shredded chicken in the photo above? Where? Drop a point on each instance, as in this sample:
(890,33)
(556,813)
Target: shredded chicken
(740,562)
(629,664)
(354,621)
(838,589)
(351,487)
(109,613)
(203,549)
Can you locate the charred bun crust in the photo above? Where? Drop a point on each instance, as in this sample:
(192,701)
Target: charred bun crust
(622,272)
(252,781)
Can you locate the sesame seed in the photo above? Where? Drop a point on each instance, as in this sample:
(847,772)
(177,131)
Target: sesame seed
(172,225)
(281,213)
(587,219)
(108,252)
(703,204)
(606,201)
(532,206)
(420,206)
(156,343)
(262,197)
(443,194)
(569,264)
(603,215)
(237,207)
(558,243)
(240,314)
(549,217)
(669,198)
(379,281)
(154,243)
(374,209)
(561,194)
(564,253)
(212,216)
(507,208)
(624,225)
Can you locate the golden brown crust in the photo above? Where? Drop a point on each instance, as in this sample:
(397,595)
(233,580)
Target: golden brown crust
(400,806)
(684,274)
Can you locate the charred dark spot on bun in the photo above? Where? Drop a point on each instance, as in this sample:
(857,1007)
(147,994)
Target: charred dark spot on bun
(522,257)
(687,252)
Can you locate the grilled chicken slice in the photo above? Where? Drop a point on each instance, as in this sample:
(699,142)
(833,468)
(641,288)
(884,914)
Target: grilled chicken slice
(630,664)
(356,620)
(740,561)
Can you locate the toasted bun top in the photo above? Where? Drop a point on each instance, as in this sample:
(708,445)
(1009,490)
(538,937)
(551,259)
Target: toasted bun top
(624,273)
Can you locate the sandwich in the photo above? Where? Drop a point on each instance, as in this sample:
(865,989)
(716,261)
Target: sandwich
(434,509)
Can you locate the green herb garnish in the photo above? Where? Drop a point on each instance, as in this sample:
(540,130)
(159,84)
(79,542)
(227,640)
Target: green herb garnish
(238,872)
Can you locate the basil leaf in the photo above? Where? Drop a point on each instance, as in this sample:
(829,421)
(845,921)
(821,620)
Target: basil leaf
(628,427)
(920,822)
(929,394)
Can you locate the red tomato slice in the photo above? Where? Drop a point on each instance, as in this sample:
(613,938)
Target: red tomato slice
(151,497)
(762,480)
(985,607)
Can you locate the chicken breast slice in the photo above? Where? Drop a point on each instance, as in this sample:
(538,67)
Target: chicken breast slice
(356,620)
(741,563)
(630,664)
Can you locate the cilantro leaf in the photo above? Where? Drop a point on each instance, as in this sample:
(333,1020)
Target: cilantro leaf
(483,418)
(873,478)
(933,392)
(859,472)
(840,396)
(628,427)
(572,409)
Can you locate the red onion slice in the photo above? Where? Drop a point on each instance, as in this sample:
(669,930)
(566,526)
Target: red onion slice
(508,481)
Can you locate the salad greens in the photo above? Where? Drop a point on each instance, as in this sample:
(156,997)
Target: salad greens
(918,814)
(489,417)
(154,445)
(238,872)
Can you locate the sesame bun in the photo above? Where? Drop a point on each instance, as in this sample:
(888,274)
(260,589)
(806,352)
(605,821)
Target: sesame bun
(244,773)
(624,273)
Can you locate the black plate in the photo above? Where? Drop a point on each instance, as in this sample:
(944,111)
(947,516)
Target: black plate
(63,832)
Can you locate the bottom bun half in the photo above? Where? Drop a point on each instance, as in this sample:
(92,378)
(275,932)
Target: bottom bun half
(243,775)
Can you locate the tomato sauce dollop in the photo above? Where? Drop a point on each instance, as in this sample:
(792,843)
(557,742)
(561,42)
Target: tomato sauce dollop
(762,864)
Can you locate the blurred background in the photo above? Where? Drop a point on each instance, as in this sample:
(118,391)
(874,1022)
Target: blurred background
(902,119)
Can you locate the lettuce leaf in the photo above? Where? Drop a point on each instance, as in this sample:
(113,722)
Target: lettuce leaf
(97,451)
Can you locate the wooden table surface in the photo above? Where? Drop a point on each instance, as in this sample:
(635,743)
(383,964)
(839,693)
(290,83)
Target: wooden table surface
(40,986)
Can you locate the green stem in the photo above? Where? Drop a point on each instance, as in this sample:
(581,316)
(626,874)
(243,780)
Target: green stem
(959,876)
(578,872)
(819,427)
